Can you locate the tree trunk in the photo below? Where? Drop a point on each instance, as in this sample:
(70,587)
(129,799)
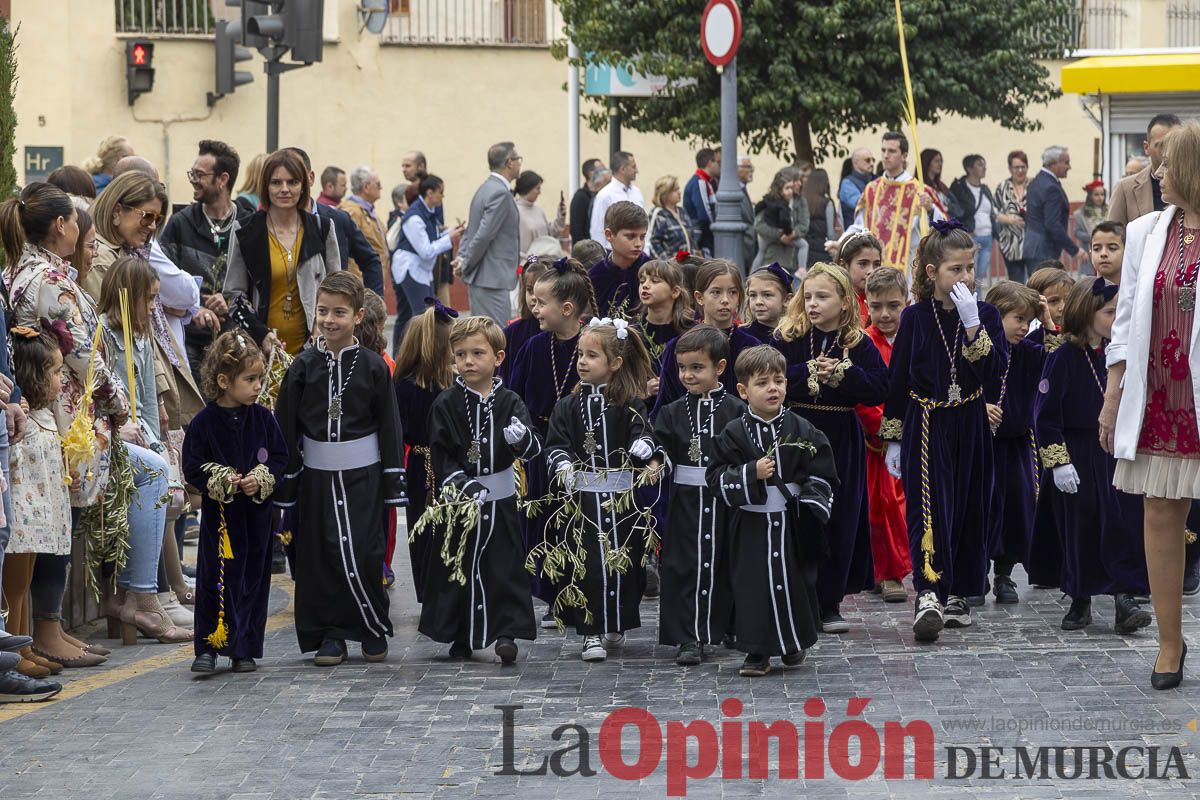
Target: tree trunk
(8,114)
(802,139)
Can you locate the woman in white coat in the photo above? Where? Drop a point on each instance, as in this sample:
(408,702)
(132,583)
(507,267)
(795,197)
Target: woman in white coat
(1149,419)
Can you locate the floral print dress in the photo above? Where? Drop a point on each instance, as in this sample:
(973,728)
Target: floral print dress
(41,500)
(40,287)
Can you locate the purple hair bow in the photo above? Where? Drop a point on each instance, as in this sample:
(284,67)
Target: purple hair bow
(1102,288)
(944,226)
(562,266)
(783,275)
(446,313)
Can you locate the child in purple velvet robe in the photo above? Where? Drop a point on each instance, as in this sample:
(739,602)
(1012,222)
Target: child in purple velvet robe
(233,455)
(948,348)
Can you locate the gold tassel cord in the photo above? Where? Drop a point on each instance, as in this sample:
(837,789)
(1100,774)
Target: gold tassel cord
(222,487)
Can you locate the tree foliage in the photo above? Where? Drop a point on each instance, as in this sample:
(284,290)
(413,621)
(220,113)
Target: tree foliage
(8,111)
(809,73)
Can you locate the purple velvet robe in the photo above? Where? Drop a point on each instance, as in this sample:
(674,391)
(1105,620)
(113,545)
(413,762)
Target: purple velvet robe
(241,438)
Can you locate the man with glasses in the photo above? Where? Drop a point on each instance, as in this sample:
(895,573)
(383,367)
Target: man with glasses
(365,190)
(197,240)
(490,250)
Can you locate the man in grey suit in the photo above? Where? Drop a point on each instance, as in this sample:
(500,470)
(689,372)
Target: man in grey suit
(490,252)
(1047,211)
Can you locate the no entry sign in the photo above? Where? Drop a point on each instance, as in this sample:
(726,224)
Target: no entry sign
(721,31)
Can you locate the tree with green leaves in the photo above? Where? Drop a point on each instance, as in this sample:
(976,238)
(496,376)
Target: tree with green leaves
(8,111)
(811,73)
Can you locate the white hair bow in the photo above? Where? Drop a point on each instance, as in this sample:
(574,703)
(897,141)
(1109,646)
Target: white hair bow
(621,325)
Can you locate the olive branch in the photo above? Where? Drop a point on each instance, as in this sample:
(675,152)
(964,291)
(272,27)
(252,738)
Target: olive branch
(567,559)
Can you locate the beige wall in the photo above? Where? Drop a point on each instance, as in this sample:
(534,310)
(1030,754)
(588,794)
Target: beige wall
(368,103)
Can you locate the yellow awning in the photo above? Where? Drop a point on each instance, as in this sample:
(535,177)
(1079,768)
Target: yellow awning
(1140,74)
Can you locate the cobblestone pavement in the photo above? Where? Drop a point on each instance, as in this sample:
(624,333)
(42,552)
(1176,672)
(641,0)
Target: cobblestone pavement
(422,726)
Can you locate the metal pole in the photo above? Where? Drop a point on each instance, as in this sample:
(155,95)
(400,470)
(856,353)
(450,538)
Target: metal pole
(272,109)
(727,230)
(572,121)
(614,129)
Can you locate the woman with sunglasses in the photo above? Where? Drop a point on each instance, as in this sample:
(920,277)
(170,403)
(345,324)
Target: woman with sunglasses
(127,216)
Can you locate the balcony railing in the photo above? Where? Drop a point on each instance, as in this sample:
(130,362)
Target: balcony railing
(1183,23)
(170,17)
(1115,25)
(506,23)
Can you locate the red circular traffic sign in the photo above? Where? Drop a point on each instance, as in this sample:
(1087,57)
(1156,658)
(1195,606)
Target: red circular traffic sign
(721,31)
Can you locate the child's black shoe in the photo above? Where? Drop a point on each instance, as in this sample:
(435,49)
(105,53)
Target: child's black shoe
(755,666)
(205,663)
(245,665)
(332,653)
(689,655)
(375,650)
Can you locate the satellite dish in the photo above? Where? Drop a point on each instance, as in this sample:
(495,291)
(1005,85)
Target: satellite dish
(372,15)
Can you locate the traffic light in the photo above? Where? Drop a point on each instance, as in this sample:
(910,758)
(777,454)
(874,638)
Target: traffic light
(290,24)
(228,53)
(303,29)
(264,27)
(139,68)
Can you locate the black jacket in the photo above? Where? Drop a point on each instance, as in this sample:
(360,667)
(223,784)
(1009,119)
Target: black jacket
(963,205)
(189,242)
(352,244)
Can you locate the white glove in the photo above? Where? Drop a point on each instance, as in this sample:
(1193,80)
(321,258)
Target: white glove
(893,459)
(566,472)
(967,305)
(515,433)
(1066,478)
(641,449)
(480,497)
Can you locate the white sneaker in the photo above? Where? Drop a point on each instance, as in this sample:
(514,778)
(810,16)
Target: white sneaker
(180,616)
(593,649)
(928,623)
(612,640)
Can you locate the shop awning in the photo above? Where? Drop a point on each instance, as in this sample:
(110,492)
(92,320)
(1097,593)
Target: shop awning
(1133,74)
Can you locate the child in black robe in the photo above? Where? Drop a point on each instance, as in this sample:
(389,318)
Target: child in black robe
(696,601)
(345,470)
(776,471)
(597,435)
(479,429)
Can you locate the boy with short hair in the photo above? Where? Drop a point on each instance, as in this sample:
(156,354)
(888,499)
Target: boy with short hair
(337,411)
(886,297)
(615,279)
(1010,411)
(696,600)
(1107,249)
(478,430)
(776,471)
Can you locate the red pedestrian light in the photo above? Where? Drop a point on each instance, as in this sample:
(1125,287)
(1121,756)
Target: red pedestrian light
(139,54)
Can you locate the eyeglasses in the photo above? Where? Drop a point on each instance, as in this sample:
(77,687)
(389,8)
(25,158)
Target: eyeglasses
(93,245)
(195,175)
(149,219)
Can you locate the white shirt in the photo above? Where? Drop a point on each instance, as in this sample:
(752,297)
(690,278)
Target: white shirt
(418,264)
(177,290)
(983,211)
(614,192)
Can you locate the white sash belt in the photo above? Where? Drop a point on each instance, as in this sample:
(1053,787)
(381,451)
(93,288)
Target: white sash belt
(337,456)
(601,482)
(776,502)
(500,485)
(690,476)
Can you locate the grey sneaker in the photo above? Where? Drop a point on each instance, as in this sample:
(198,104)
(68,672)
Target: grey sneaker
(928,622)
(957,613)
